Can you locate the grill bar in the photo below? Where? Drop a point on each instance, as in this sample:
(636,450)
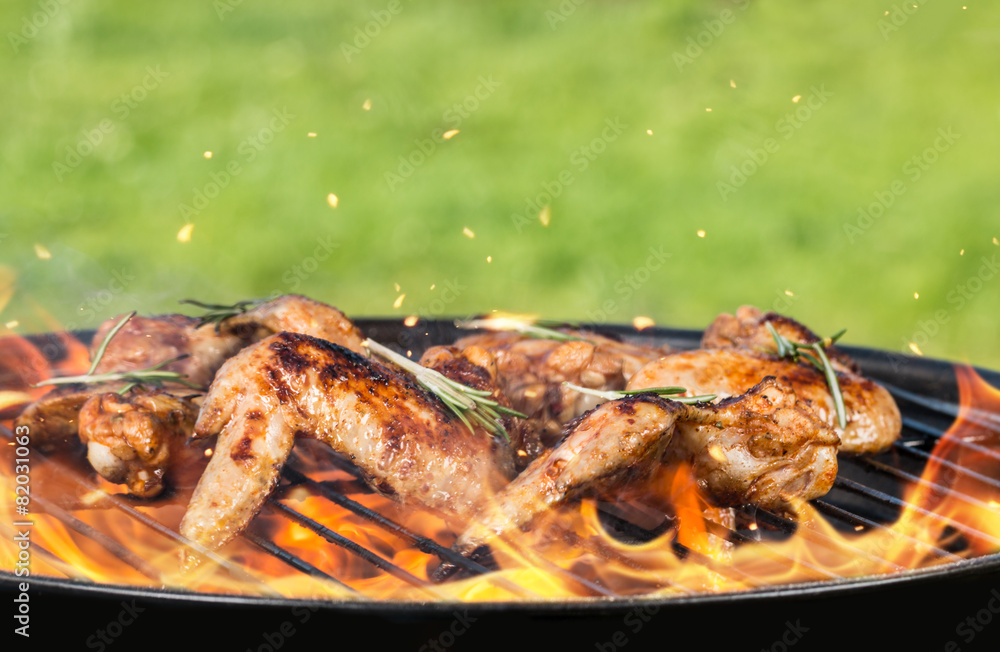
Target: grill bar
(295,562)
(886,499)
(854,519)
(935,433)
(947,408)
(957,468)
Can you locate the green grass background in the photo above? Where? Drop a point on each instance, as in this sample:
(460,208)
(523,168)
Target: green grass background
(118,211)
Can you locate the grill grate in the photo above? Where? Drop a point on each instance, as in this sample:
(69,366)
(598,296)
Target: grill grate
(862,499)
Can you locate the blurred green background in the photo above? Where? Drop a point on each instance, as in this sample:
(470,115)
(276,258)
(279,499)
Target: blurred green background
(612,159)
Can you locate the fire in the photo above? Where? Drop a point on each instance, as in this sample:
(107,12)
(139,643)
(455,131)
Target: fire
(82,528)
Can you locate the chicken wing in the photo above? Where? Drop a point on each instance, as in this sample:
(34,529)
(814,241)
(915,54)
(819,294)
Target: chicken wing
(531,372)
(762,448)
(405,441)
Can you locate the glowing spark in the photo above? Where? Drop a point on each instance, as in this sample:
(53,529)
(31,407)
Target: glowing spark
(795,100)
(207,154)
(311,134)
(42,252)
(433,285)
(531,393)
(858,528)
(996,242)
(12,324)
(717,454)
(732,83)
(752,526)
(916,349)
(701,233)
(789,293)
(333,200)
(642,322)
(92,497)
(961,253)
(545,216)
(451,133)
(396,285)
(708,109)
(916,295)
(468,233)
(184,235)
(489,259)
(521,453)
(208,452)
(399,300)
(649,131)
(411,321)
(367,106)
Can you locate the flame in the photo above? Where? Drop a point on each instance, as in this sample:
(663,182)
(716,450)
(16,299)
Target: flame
(950,512)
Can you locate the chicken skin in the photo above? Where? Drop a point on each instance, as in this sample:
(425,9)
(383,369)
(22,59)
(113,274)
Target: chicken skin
(406,443)
(873,419)
(761,448)
(531,372)
(130,439)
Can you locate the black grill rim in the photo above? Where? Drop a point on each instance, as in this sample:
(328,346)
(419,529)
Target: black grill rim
(934,375)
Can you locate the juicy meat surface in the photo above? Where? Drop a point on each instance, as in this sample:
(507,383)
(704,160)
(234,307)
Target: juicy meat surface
(531,373)
(873,419)
(405,442)
(133,439)
(294,313)
(761,448)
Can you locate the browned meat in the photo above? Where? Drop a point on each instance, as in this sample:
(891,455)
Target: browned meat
(531,373)
(294,313)
(873,419)
(132,439)
(747,330)
(761,448)
(162,417)
(406,442)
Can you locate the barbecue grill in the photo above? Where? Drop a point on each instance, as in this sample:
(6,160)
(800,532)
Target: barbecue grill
(927,607)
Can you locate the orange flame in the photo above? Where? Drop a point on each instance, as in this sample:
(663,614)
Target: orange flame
(82,530)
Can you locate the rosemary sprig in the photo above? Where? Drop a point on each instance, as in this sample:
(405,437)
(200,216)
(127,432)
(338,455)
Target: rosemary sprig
(815,353)
(218,313)
(154,375)
(672,393)
(529,328)
(461,399)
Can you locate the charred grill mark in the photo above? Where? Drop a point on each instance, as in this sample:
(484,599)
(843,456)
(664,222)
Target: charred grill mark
(254,415)
(281,389)
(243,452)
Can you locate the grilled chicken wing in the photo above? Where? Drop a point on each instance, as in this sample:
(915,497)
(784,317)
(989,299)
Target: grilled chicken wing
(762,448)
(873,420)
(130,438)
(405,442)
(133,439)
(531,373)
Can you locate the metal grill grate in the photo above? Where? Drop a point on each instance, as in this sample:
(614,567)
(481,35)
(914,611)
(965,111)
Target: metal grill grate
(865,497)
